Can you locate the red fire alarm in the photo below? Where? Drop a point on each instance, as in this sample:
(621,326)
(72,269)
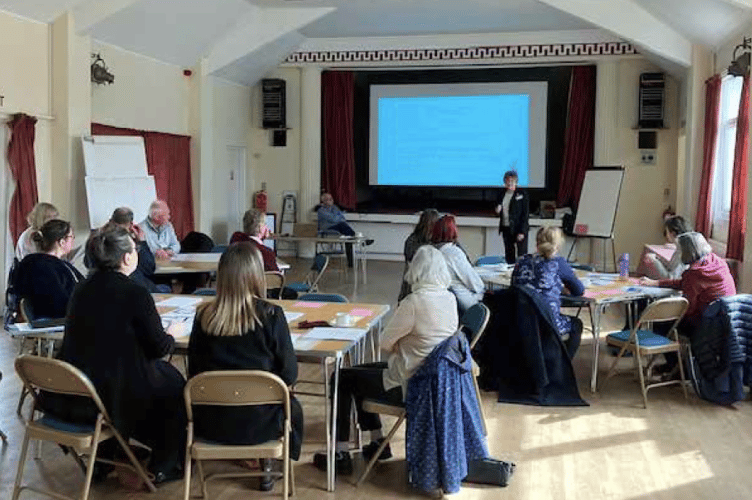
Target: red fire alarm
(187,72)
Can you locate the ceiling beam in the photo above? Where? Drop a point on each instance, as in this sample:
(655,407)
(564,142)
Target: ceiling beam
(744,4)
(90,12)
(631,22)
(258,28)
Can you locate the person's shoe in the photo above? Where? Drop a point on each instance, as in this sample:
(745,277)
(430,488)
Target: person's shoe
(167,476)
(342,460)
(672,375)
(370,449)
(266,483)
(369,241)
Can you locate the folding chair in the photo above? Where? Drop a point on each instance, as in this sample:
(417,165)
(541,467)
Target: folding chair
(237,388)
(647,343)
(474,323)
(320,263)
(55,376)
(275,280)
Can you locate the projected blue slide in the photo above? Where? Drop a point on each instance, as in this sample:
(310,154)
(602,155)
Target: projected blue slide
(453,140)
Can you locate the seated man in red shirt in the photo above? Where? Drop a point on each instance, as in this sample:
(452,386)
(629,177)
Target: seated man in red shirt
(254,231)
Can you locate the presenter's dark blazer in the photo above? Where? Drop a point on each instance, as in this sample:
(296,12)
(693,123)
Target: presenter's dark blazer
(519,211)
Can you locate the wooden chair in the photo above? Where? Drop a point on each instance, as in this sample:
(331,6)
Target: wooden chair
(647,343)
(237,388)
(52,375)
(275,280)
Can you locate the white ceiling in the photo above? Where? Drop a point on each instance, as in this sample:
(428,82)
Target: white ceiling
(181,31)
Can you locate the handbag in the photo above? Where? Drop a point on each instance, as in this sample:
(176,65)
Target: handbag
(489,471)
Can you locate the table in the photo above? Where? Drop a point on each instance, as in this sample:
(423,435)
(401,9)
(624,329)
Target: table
(598,296)
(358,242)
(184,263)
(329,352)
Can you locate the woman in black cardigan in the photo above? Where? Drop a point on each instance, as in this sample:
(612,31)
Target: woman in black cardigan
(113,333)
(240,331)
(513,207)
(44,279)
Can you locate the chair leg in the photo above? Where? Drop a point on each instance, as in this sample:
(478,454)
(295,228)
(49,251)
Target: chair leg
(21,464)
(137,467)
(187,478)
(681,373)
(381,447)
(292,479)
(92,460)
(21,400)
(612,369)
(480,406)
(202,480)
(642,378)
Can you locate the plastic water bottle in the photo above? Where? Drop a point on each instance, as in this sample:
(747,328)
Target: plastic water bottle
(624,266)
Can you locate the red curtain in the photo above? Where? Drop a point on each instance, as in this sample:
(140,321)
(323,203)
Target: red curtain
(712,106)
(338,101)
(738,214)
(579,136)
(23,169)
(168,159)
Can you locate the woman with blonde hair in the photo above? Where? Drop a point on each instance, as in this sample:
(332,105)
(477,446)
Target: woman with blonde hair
(239,330)
(548,274)
(41,213)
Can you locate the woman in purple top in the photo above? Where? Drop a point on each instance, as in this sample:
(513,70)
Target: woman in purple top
(548,273)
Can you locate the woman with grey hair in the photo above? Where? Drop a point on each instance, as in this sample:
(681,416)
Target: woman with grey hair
(706,279)
(113,333)
(425,318)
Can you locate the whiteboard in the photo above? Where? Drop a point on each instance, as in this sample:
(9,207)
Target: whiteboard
(599,199)
(114,156)
(105,194)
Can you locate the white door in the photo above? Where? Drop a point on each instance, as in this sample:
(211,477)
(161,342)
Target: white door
(236,196)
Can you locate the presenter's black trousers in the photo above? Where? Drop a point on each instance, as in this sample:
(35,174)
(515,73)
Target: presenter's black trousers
(513,249)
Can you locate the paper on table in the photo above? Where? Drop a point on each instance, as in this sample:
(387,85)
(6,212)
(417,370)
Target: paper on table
(310,305)
(600,293)
(179,302)
(646,290)
(304,344)
(291,316)
(323,333)
(360,311)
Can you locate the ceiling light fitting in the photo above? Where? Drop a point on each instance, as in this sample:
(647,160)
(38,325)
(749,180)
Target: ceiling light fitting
(740,64)
(100,74)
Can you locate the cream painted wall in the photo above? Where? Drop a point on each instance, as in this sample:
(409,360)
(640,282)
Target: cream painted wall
(232,128)
(147,94)
(278,167)
(25,84)
(643,196)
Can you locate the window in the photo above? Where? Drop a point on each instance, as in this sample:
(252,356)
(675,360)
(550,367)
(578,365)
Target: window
(720,204)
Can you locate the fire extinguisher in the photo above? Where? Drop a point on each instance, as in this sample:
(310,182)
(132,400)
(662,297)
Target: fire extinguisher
(260,200)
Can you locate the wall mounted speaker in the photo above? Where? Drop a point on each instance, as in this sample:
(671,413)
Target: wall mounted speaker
(647,139)
(652,100)
(279,138)
(274,112)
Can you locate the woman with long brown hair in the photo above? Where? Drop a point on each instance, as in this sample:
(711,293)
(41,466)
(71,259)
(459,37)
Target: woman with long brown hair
(239,330)
(420,236)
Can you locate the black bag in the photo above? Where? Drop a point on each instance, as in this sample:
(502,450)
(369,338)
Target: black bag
(489,471)
(12,299)
(567,224)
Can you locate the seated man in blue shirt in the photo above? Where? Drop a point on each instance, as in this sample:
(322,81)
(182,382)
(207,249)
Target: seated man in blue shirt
(159,233)
(331,219)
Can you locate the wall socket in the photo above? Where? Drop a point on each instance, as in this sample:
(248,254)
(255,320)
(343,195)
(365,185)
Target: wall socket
(649,157)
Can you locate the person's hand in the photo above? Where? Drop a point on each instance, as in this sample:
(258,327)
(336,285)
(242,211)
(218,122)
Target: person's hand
(648,282)
(497,209)
(520,237)
(137,232)
(162,255)
(177,329)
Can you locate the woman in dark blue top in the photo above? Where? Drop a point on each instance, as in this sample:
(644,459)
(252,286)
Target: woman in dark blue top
(548,274)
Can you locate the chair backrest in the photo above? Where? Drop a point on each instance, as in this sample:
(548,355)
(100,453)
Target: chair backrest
(24,308)
(668,309)
(219,248)
(236,388)
(581,267)
(323,297)
(320,263)
(206,292)
(274,280)
(196,242)
(489,260)
(54,375)
(474,322)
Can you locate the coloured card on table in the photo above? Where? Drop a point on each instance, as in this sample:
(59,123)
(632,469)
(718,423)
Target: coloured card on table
(310,305)
(360,311)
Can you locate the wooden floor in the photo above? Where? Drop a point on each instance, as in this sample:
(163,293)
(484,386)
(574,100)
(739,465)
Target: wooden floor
(612,449)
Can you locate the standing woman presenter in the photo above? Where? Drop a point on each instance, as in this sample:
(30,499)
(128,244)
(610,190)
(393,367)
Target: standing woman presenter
(513,207)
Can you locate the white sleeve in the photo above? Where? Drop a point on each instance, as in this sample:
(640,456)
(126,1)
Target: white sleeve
(401,324)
